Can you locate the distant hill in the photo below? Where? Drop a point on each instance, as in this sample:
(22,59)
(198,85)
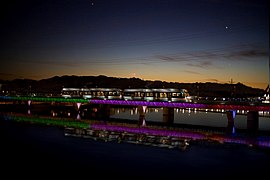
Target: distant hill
(55,84)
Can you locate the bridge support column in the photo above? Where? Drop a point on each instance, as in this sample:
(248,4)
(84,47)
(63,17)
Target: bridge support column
(104,111)
(28,103)
(231,116)
(168,115)
(77,108)
(142,110)
(253,121)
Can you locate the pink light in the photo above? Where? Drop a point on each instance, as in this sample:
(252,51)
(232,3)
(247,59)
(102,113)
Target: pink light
(144,108)
(144,123)
(78,116)
(29,102)
(78,105)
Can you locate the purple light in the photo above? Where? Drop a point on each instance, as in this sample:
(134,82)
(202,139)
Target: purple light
(182,134)
(181,105)
(244,140)
(234,114)
(264,143)
(147,103)
(233,130)
(145,130)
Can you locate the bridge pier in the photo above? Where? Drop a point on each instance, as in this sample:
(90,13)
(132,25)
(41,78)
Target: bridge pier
(252,121)
(100,111)
(142,110)
(77,108)
(103,111)
(230,126)
(168,115)
(29,107)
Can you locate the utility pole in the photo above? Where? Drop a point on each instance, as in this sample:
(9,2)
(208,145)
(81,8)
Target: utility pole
(231,81)
(232,88)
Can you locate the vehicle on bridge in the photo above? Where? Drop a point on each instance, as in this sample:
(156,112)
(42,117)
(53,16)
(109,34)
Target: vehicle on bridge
(92,93)
(165,94)
(168,94)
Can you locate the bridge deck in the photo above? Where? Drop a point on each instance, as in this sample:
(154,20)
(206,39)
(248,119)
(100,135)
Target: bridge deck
(201,105)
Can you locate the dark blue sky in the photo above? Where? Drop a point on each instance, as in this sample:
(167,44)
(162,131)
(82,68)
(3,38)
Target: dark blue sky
(168,40)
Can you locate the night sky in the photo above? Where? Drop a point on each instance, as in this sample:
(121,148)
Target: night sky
(168,40)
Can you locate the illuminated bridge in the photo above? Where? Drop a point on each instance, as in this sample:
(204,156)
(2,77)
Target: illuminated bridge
(184,105)
(208,105)
(168,107)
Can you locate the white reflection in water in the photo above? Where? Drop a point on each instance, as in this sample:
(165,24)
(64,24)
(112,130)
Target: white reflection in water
(196,117)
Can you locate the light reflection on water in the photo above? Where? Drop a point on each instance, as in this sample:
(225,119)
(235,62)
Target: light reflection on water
(204,117)
(209,117)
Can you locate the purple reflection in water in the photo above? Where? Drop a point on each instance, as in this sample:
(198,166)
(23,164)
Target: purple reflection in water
(184,134)
(145,130)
